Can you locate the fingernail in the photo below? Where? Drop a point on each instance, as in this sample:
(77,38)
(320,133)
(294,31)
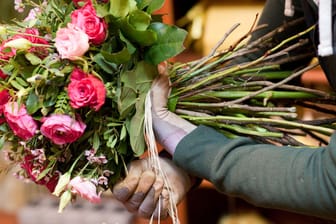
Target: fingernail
(121,193)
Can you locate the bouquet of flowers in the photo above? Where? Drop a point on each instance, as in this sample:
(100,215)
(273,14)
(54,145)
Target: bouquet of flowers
(74,77)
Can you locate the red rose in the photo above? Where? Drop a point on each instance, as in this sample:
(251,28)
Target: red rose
(34,168)
(4,97)
(86,90)
(62,129)
(87,20)
(21,123)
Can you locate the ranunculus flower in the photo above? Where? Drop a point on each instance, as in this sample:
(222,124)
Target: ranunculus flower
(21,123)
(86,90)
(71,42)
(62,129)
(85,188)
(86,19)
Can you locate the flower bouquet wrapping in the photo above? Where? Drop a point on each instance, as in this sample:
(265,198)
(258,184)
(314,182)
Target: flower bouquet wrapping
(75,77)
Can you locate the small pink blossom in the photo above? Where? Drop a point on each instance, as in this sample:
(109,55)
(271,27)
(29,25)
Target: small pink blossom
(21,123)
(19,6)
(62,129)
(86,90)
(85,188)
(93,158)
(71,42)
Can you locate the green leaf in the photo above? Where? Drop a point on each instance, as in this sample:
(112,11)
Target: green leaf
(145,73)
(96,141)
(155,5)
(108,66)
(139,20)
(172,103)
(142,37)
(119,57)
(123,132)
(21,81)
(128,95)
(64,200)
(33,59)
(136,127)
(169,43)
(2,141)
(102,10)
(32,103)
(16,85)
(121,8)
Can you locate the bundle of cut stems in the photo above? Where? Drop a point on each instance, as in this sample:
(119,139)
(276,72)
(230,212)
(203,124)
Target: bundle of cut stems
(254,98)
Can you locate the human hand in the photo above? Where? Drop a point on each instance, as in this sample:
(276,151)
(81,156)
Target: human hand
(141,189)
(168,127)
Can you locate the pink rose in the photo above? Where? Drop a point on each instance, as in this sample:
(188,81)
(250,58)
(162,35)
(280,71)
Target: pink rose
(86,90)
(62,129)
(86,189)
(87,20)
(22,124)
(71,42)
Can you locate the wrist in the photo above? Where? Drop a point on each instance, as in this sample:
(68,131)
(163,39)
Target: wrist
(171,141)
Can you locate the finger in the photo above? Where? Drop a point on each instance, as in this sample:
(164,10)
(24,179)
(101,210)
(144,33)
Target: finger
(162,207)
(145,183)
(162,68)
(148,205)
(123,190)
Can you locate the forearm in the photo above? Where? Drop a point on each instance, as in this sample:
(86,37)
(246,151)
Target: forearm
(300,180)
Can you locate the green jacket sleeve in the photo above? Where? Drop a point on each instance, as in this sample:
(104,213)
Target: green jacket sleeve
(300,180)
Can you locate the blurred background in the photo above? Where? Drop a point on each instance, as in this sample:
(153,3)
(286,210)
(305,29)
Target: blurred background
(206,21)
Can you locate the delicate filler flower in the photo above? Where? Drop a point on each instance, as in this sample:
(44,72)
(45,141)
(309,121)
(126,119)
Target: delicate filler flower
(71,42)
(86,90)
(19,6)
(92,158)
(62,129)
(85,188)
(87,20)
(21,123)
